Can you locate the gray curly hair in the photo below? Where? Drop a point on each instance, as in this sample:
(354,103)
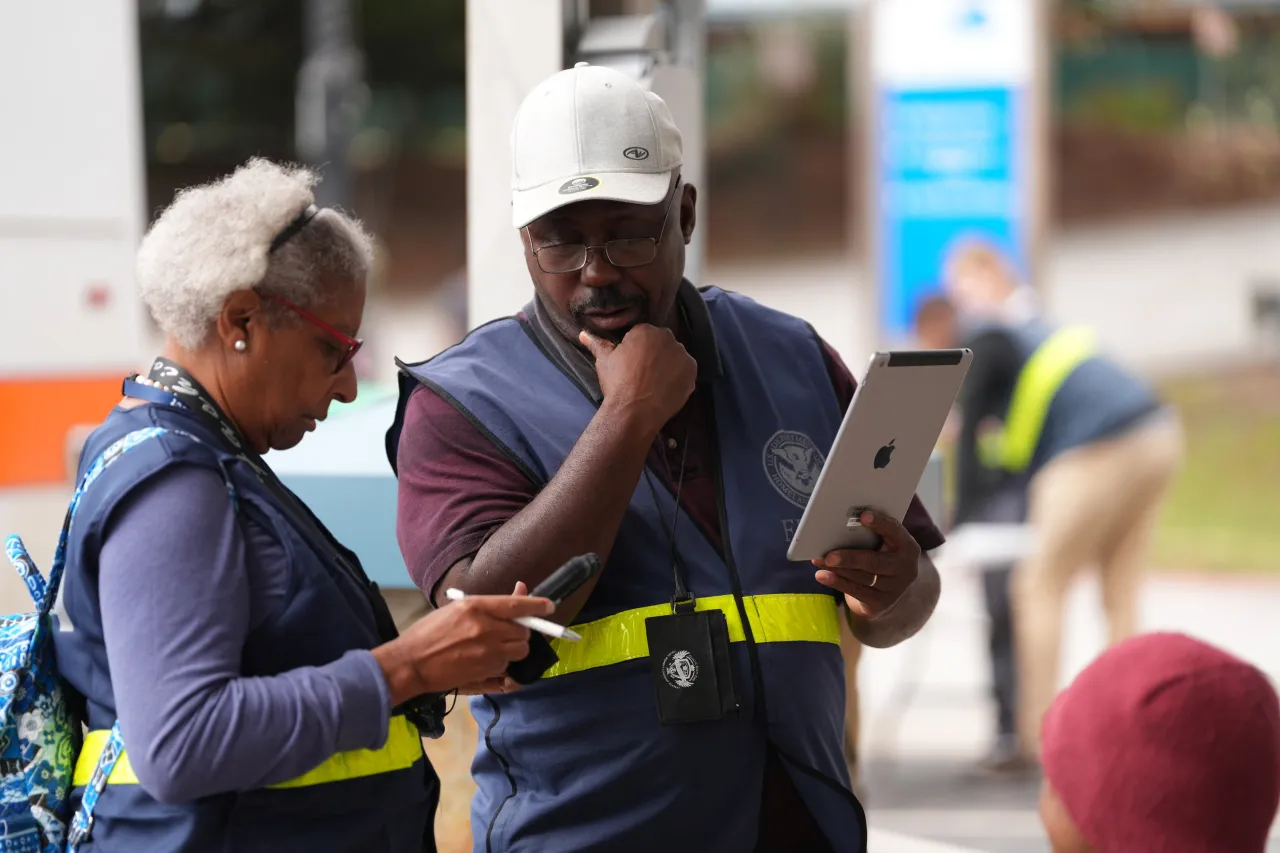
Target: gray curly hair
(213,240)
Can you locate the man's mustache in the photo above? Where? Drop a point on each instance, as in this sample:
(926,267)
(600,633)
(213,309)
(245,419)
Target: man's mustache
(607,299)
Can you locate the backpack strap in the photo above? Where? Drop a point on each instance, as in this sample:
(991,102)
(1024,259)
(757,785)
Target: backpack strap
(26,568)
(45,592)
(46,595)
(82,820)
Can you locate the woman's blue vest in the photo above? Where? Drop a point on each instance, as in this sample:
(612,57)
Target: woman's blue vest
(324,615)
(578,760)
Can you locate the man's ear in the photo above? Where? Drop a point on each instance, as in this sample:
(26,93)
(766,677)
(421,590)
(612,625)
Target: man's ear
(688,212)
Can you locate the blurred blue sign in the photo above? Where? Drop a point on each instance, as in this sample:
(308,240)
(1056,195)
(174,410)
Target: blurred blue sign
(949,167)
(954,86)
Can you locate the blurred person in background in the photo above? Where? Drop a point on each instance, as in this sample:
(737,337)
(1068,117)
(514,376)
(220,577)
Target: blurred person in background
(677,433)
(215,631)
(1095,446)
(1163,744)
(984,495)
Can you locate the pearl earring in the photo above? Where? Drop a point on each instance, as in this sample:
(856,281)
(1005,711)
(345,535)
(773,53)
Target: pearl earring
(241,346)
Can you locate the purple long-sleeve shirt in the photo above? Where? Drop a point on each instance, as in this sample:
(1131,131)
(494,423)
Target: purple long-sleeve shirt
(178,600)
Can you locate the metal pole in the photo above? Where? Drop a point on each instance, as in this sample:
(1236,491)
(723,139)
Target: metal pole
(679,78)
(331,96)
(512,45)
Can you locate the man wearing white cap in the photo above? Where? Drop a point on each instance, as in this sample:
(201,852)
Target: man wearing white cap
(676,433)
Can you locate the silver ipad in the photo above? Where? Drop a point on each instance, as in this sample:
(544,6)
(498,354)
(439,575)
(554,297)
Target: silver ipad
(882,448)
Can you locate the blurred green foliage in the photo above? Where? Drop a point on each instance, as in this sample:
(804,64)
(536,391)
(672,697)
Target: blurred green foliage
(1223,511)
(227,70)
(1150,107)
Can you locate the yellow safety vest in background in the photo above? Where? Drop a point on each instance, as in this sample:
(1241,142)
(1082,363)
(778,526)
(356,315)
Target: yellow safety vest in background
(1013,447)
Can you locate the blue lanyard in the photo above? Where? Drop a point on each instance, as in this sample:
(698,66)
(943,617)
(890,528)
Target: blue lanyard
(133,388)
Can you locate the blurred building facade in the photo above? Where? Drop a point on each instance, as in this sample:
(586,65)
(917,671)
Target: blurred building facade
(1156,107)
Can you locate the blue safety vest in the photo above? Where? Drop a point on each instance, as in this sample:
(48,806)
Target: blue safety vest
(364,800)
(578,760)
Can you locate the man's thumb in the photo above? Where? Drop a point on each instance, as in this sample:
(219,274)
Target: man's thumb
(598,346)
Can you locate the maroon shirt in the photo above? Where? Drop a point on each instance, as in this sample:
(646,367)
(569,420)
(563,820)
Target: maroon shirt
(457,488)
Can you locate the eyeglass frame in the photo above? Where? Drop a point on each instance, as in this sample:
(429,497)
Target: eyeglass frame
(353,345)
(586,250)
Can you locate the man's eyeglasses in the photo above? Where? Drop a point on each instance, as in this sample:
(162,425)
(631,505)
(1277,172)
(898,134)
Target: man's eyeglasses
(352,344)
(571,257)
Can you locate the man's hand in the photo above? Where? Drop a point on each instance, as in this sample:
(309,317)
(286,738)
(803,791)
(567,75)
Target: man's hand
(873,581)
(646,379)
(650,374)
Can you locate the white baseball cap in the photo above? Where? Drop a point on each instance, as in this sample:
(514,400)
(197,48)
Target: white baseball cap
(590,132)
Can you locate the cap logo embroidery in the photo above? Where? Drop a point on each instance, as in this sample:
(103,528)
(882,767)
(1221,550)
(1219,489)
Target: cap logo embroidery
(636,153)
(578,185)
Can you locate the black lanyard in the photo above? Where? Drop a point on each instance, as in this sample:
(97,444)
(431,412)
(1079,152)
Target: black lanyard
(682,598)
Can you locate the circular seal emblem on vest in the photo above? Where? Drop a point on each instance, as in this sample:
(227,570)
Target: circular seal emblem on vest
(680,669)
(792,461)
(578,185)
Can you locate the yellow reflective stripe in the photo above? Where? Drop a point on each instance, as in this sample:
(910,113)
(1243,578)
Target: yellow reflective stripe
(402,750)
(779,618)
(1038,382)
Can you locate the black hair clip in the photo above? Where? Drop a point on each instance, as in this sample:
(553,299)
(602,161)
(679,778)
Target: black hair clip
(294,227)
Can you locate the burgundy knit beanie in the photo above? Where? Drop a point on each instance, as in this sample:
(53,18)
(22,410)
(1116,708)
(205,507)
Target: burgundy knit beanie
(1167,745)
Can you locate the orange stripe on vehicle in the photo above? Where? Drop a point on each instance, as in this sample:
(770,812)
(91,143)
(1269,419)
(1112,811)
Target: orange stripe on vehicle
(36,415)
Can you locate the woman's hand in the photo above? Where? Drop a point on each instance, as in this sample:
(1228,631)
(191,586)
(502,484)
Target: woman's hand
(466,645)
(503,683)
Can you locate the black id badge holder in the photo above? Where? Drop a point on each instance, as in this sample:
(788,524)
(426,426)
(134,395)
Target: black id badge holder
(689,656)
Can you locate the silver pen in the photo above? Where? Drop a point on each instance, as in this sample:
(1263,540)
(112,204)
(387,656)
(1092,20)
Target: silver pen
(533,623)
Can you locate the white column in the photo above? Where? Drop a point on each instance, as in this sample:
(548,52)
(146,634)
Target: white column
(72,205)
(681,83)
(511,46)
(862,246)
(71,188)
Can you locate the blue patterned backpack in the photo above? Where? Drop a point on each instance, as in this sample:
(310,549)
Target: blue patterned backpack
(39,736)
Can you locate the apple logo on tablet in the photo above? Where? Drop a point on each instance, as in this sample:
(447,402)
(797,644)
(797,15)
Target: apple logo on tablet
(883,455)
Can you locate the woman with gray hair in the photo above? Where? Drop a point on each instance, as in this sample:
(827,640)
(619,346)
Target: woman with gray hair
(242,680)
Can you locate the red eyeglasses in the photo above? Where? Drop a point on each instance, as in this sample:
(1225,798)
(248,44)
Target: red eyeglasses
(352,344)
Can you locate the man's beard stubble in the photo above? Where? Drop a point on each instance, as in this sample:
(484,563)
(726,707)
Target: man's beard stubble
(609,298)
